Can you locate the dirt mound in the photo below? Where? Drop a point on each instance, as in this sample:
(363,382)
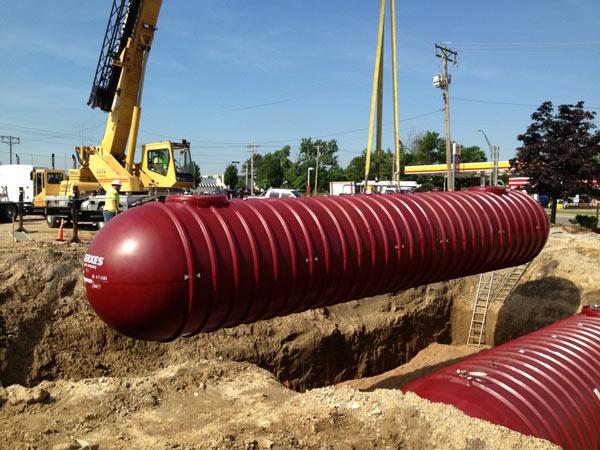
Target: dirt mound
(221,404)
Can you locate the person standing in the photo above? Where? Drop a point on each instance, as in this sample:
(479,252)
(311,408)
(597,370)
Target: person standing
(111,206)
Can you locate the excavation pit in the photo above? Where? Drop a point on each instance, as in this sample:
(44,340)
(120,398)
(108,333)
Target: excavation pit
(50,340)
(49,332)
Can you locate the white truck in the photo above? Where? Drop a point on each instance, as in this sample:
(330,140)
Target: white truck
(36,183)
(342,187)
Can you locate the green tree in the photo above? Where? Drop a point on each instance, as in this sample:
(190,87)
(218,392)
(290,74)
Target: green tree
(329,168)
(272,168)
(355,170)
(559,152)
(231,176)
(430,148)
(197,173)
(472,154)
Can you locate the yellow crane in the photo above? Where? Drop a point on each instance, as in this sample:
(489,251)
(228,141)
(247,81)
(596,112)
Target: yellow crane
(117,89)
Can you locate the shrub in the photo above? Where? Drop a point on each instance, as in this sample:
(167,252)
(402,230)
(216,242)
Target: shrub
(589,222)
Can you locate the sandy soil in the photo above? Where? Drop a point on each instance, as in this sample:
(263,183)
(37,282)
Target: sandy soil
(70,381)
(227,405)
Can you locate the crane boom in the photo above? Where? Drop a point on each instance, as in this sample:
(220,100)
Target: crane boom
(117,89)
(129,32)
(120,28)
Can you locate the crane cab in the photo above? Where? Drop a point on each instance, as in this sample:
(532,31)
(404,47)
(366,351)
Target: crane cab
(167,165)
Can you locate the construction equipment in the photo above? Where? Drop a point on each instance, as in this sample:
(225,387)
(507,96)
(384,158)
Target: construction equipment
(117,89)
(37,183)
(200,263)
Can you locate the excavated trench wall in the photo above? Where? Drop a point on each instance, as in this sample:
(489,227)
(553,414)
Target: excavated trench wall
(48,331)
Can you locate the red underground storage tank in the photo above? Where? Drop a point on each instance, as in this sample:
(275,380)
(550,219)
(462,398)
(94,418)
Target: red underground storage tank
(545,384)
(199,263)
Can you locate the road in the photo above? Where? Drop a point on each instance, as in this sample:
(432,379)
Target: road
(564,215)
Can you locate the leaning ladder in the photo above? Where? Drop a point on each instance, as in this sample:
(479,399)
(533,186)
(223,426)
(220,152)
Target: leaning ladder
(509,282)
(482,300)
(487,292)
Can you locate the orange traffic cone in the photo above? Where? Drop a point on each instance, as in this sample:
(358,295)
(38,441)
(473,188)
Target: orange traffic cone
(59,236)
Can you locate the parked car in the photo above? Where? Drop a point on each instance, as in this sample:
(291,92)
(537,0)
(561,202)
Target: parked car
(280,193)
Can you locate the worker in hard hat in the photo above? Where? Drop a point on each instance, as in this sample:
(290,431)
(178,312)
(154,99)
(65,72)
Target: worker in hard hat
(111,206)
(160,163)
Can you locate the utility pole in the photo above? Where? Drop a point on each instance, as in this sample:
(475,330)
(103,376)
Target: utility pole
(10,140)
(443,82)
(318,147)
(495,166)
(252,150)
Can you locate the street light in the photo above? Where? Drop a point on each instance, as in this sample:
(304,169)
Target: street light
(318,147)
(491,152)
(308,180)
(488,143)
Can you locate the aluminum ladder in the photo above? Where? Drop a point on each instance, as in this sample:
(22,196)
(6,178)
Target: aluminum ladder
(492,286)
(480,307)
(508,282)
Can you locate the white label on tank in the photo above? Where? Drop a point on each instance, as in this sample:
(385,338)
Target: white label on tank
(597,392)
(93,260)
(87,280)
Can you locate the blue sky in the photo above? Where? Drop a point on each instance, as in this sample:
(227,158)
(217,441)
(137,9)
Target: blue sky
(224,73)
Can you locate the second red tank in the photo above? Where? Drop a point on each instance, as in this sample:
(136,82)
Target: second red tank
(200,263)
(545,384)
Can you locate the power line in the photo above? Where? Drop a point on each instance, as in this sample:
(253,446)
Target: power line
(525,44)
(498,102)
(517,51)
(280,141)
(495,102)
(52,133)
